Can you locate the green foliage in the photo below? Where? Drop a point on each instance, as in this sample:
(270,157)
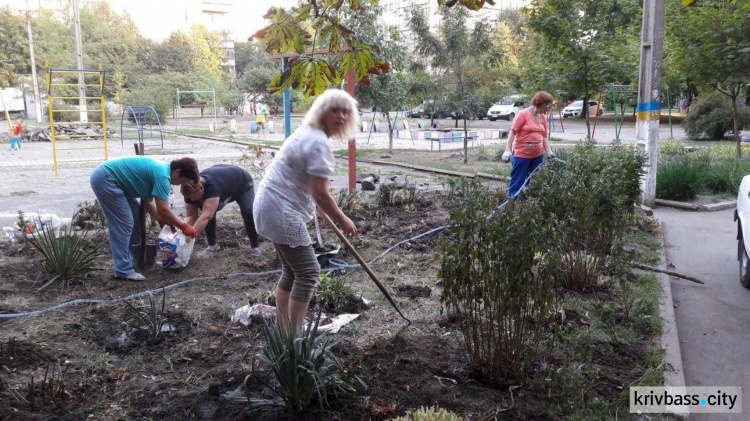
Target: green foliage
(578,45)
(348,201)
(389,195)
(68,256)
(494,279)
(725,174)
(433,413)
(679,179)
(304,368)
(310,27)
(590,199)
(710,117)
(150,318)
(332,292)
(671,148)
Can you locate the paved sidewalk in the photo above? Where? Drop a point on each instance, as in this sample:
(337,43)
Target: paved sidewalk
(713,320)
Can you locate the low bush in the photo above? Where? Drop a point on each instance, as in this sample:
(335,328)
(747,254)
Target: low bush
(710,117)
(494,280)
(432,413)
(332,292)
(679,179)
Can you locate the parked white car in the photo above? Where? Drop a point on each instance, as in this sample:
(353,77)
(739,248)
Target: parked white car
(507,108)
(742,216)
(575,109)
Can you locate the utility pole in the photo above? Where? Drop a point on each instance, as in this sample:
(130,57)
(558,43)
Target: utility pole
(79,56)
(37,100)
(649,93)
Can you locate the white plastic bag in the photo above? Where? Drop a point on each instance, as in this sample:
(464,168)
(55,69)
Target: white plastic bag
(178,247)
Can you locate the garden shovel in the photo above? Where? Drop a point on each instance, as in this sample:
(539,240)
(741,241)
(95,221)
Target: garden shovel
(144,254)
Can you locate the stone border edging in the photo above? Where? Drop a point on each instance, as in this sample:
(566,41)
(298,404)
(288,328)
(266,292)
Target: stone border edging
(674,375)
(435,170)
(711,207)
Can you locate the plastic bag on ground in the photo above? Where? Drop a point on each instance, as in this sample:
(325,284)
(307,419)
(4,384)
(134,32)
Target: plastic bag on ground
(178,247)
(246,312)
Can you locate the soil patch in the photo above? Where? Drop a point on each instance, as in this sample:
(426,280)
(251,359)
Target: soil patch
(190,371)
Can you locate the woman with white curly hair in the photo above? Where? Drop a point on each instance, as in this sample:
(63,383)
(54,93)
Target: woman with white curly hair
(295,182)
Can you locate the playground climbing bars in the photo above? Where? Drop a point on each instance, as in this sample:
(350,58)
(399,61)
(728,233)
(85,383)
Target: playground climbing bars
(93,86)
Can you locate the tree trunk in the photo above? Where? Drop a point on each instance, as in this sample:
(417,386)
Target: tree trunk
(466,140)
(390,132)
(735,91)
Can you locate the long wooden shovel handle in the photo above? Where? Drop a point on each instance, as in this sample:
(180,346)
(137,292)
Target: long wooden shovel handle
(362,262)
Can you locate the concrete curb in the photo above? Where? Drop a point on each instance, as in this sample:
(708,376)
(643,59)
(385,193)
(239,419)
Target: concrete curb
(711,207)
(674,376)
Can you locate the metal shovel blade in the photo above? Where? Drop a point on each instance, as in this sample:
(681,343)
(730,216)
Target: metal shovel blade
(144,258)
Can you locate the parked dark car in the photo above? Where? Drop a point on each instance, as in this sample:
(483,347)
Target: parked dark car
(429,109)
(477,110)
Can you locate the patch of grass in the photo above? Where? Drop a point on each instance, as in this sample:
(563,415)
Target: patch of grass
(679,179)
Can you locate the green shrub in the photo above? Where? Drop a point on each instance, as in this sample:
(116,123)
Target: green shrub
(304,368)
(432,413)
(332,292)
(679,179)
(389,195)
(68,256)
(710,117)
(590,198)
(347,201)
(494,280)
(725,175)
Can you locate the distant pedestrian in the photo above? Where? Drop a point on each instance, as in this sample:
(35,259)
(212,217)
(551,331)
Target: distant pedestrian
(15,138)
(261,120)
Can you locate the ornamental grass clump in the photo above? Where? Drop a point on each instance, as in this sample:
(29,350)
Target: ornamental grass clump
(495,282)
(67,256)
(679,179)
(304,369)
(725,174)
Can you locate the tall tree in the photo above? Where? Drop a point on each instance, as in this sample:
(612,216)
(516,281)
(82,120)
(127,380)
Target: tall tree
(207,54)
(171,55)
(252,55)
(386,91)
(712,41)
(459,52)
(572,43)
(14,40)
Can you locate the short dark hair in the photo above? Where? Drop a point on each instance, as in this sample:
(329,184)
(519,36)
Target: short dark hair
(188,168)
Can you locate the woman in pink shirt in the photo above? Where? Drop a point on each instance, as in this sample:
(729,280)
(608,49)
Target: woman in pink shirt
(528,141)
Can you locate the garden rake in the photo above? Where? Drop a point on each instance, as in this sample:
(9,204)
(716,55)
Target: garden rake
(362,263)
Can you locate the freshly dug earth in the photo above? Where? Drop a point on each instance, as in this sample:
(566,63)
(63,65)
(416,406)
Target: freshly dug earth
(187,372)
